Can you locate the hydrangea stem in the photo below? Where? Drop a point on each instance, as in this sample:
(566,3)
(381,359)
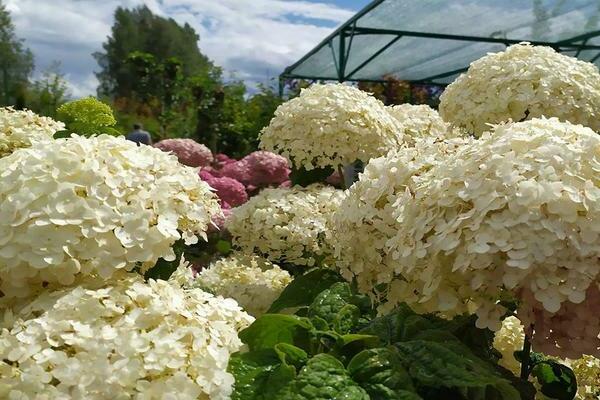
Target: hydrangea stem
(526,358)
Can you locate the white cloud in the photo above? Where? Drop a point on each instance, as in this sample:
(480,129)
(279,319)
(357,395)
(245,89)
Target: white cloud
(253,39)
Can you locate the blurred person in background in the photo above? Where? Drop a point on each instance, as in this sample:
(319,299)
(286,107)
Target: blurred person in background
(139,135)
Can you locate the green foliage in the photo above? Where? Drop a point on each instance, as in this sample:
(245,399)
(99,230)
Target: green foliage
(556,381)
(304,288)
(324,378)
(271,329)
(339,350)
(87,116)
(49,92)
(139,30)
(16,63)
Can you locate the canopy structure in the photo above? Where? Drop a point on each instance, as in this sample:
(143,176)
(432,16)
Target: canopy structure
(432,41)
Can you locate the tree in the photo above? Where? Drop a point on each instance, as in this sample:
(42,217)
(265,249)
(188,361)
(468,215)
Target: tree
(48,92)
(138,30)
(16,63)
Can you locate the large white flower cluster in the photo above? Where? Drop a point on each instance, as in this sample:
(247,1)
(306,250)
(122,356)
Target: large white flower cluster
(419,121)
(288,225)
(365,225)
(75,206)
(129,339)
(510,338)
(254,282)
(513,210)
(520,83)
(331,125)
(20,129)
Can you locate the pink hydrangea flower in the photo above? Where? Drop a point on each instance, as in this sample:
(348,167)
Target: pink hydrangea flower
(238,170)
(188,151)
(229,190)
(267,168)
(222,159)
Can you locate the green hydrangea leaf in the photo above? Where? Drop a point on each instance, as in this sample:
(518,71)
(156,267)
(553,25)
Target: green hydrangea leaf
(449,365)
(389,327)
(304,288)
(557,381)
(334,306)
(346,318)
(259,375)
(291,355)
(271,329)
(380,366)
(413,325)
(323,378)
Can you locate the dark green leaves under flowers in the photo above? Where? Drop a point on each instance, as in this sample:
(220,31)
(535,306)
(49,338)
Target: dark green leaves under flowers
(334,348)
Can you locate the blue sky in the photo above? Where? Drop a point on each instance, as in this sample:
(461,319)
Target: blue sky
(252,40)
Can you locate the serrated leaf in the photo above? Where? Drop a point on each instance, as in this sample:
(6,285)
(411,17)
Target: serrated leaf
(346,319)
(271,329)
(447,365)
(304,288)
(334,306)
(413,325)
(259,375)
(324,378)
(291,355)
(380,366)
(389,327)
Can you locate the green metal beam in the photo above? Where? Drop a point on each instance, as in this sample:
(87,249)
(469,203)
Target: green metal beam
(346,32)
(465,38)
(443,75)
(374,55)
(352,20)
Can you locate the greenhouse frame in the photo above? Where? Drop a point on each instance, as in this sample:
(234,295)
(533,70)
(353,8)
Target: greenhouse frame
(433,41)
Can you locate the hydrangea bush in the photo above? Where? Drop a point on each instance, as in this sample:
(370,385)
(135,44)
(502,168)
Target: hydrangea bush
(513,210)
(253,281)
(188,151)
(80,205)
(127,339)
(19,129)
(419,121)
(399,282)
(287,225)
(331,125)
(523,82)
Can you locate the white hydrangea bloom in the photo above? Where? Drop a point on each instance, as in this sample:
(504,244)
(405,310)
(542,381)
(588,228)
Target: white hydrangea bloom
(587,371)
(288,225)
(331,125)
(513,210)
(364,224)
(419,121)
(73,206)
(254,282)
(507,340)
(20,129)
(129,339)
(523,82)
